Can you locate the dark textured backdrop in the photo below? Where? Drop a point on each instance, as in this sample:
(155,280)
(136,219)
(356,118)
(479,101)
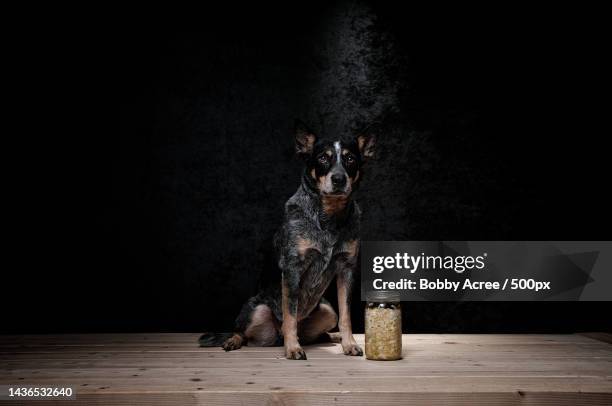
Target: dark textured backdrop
(163,213)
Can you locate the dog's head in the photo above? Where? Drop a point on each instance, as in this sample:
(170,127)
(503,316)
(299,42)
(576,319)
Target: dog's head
(334,164)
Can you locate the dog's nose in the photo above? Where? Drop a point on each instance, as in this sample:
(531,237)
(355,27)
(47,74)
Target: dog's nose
(338,179)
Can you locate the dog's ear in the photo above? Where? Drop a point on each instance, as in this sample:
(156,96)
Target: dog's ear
(304,139)
(366,141)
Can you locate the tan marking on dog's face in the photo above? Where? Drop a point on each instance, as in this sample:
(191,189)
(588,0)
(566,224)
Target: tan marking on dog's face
(324,183)
(347,154)
(333,160)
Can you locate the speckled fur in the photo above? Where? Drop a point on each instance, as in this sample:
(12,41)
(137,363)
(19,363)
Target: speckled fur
(309,275)
(313,246)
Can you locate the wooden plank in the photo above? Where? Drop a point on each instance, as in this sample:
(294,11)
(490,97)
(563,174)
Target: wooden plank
(230,382)
(179,373)
(336,398)
(335,354)
(453,369)
(449,345)
(340,362)
(191,338)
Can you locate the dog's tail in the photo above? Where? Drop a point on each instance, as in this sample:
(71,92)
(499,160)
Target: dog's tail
(214,339)
(229,341)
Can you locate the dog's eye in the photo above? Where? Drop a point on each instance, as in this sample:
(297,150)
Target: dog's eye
(323,159)
(350,159)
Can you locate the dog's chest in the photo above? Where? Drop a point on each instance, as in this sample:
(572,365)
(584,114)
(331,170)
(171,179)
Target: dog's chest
(329,244)
(315,280)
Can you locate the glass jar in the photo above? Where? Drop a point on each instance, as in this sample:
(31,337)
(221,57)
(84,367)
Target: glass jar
(383,326)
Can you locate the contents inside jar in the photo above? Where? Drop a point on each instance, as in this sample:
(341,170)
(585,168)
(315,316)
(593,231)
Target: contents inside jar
(383,331)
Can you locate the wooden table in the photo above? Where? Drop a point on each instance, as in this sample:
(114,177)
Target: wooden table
(155,369)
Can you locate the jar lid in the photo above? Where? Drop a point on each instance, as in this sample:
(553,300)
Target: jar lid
(382,296)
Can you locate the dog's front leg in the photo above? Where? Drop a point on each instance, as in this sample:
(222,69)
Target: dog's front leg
(290,289)
(344,282)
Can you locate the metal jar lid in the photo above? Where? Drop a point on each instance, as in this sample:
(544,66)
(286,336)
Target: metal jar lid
(382,296)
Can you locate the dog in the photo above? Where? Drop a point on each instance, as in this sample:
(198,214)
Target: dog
(318,240)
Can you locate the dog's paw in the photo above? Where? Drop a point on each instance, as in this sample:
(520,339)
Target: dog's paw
(352,349)
(232,343)
(295,353)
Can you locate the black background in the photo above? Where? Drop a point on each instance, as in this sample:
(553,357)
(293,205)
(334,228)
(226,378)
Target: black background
(165,159)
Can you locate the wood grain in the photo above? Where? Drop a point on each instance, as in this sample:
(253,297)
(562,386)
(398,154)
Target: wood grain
(159,369)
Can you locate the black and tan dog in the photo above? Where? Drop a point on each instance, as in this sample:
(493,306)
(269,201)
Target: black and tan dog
(319,240)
